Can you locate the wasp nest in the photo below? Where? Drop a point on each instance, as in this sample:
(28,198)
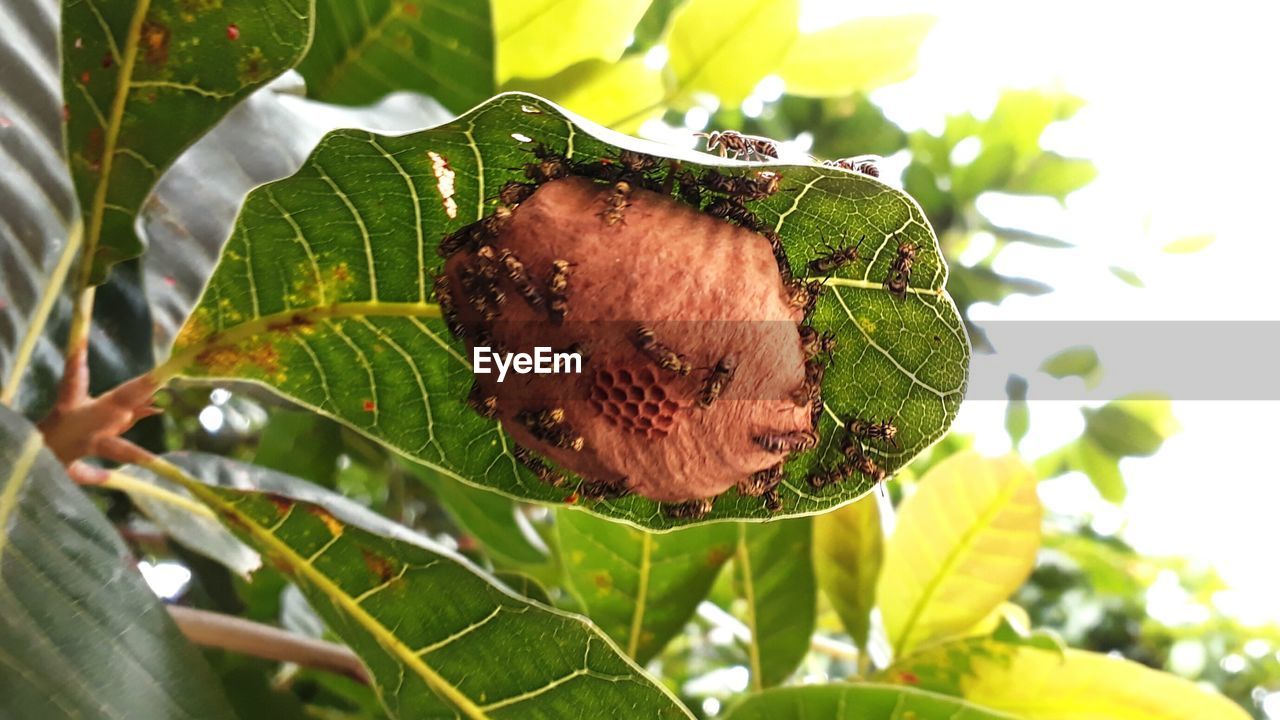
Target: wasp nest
(697,375)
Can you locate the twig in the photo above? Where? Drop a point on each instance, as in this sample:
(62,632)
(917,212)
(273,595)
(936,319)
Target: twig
(227,632)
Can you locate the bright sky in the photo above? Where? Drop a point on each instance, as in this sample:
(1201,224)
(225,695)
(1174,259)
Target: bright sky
(1181,123)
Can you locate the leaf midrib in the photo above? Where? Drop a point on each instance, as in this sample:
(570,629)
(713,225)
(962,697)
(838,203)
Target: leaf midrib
(303,567)
(642,593)
(287,320)
(958,551)
(111,135)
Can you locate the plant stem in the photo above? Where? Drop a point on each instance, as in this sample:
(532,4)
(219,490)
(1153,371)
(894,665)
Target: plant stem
(227,632)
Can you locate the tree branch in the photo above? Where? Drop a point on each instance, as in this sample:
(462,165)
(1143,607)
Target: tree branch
(227,632)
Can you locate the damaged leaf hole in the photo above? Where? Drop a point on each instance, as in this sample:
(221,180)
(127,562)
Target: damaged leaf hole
(702,374)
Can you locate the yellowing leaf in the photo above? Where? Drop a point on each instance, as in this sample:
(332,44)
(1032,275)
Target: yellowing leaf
(964,542)
(1038,684)
(848,546)
(856,56)
(725,47)
(537,38)
(591,89)
(1189,244)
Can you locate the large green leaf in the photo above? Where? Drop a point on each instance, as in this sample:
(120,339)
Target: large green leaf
(303,300)
(430,628)
(81,634)
(493,519)
(774,573)
(37,247)
(1052,684)
(142,79)
(537,38)
(725,47)
(863,701)
(364,49)
(590,88)
(970,517)
(848,547)
(855,56)
(639,587)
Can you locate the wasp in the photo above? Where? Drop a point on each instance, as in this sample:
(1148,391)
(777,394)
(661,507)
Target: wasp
(760,482)
(486,406)
(865,164)
(868,467)
(795,441)
(448,310)
(837,474)
(804,294)
(551,167)
(535,465)
(813,343)
(730,209)
(717,380)
(661,355)
(638,162)
(810,390)
(779,253)
(690,510)
(616,202)
(741,145)
(548,426)
(836,258)
(772,501)
(900,271)
(514,270)
(604,489)
(742,189)
(513,193)
(864,430)
(688,188)
(484,297)
(557,286)
(466,236)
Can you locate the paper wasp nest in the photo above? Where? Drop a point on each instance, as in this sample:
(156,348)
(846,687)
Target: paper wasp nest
(693,374)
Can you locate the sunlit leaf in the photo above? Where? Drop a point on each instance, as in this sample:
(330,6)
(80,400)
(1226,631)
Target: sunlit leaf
(364,49)
(1080,361)
(81,634)
(639,587)
(1189,244)
(848,547)
(725,47)
(855,56)
(427,624)
(142,80)
(537,38)
(1129,277)
(1135,425)
(1053,175)
(971,517)
(1041,684)
(303,300)
(1017,415)
(591,89)
(861,701)
(774,573)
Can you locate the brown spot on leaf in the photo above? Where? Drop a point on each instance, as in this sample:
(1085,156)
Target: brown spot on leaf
(369,406)
(84,78)
(382,567)
(332,523)
(602,580)
(93,149)
(107,60)
(227,359)
(233,32)
(717,555)
(282,503)
(154,37)
(410,10)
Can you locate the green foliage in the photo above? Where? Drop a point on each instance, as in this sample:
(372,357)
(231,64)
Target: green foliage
(364,49)
(321,302)
(1081,361)
(862,701)
(365,577)
(848,549)
(639,587)
(724,47)
(779,593)
(142,80)
(72,605)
